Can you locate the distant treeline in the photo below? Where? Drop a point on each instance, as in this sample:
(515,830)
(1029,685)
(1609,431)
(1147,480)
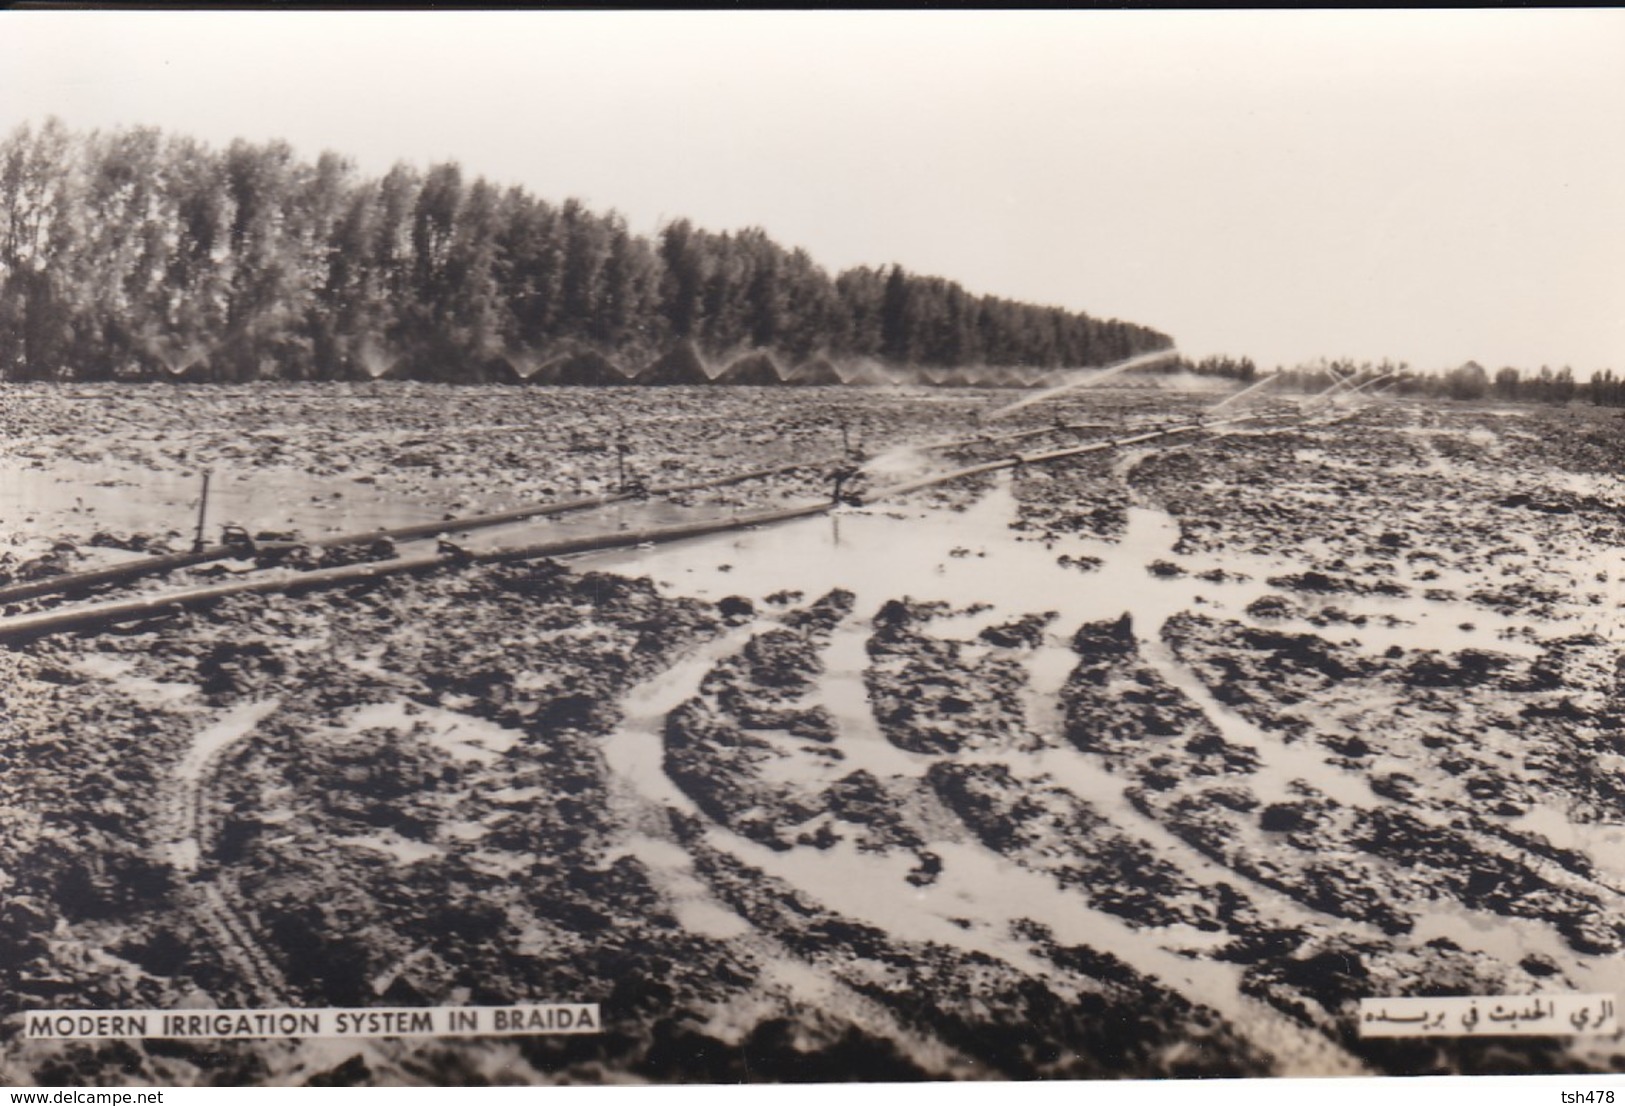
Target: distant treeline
(135,254)
(1467,382)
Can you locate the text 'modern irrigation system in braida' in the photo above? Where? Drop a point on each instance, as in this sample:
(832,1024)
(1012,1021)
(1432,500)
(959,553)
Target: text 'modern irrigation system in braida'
(412,1021)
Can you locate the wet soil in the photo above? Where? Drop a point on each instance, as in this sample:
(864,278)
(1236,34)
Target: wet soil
(1150,764)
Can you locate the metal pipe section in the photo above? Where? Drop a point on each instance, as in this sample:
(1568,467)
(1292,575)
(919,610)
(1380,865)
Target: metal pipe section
(27,627)
(168,562)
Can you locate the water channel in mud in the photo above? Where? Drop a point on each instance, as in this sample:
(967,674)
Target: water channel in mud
(986,573)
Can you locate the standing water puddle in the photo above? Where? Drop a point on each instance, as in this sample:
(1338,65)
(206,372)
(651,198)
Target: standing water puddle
(962,558)
(972,558)
(974,886)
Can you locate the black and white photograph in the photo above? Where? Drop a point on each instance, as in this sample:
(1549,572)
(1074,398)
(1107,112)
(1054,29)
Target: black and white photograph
(632,547)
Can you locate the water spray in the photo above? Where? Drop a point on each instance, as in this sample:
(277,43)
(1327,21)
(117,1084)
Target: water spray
(524,363)
(1338,382)
(1253,387)
(176,362)
(1083,381)
(374,362)
(1369,383)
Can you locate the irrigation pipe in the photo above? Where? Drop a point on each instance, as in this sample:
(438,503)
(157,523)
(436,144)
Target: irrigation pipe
(27,627)
(161,564)
(168,562)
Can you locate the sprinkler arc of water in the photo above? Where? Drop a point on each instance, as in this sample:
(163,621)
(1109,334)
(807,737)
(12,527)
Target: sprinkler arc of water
(1339,382)
(376,363)
(524,363)
(1139,360)
(1374,380)
(177,360)
(1253,387)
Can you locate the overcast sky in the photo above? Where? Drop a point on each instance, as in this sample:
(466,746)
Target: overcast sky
(1426,186)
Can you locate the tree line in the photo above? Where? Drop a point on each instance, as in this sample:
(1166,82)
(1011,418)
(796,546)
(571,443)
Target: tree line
(136,254)
(1467,382)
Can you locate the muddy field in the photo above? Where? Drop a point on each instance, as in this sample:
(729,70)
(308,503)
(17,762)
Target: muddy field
(1150,763)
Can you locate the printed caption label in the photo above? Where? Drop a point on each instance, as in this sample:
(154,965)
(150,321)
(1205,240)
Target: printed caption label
(412,1021)
(1489,1015)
